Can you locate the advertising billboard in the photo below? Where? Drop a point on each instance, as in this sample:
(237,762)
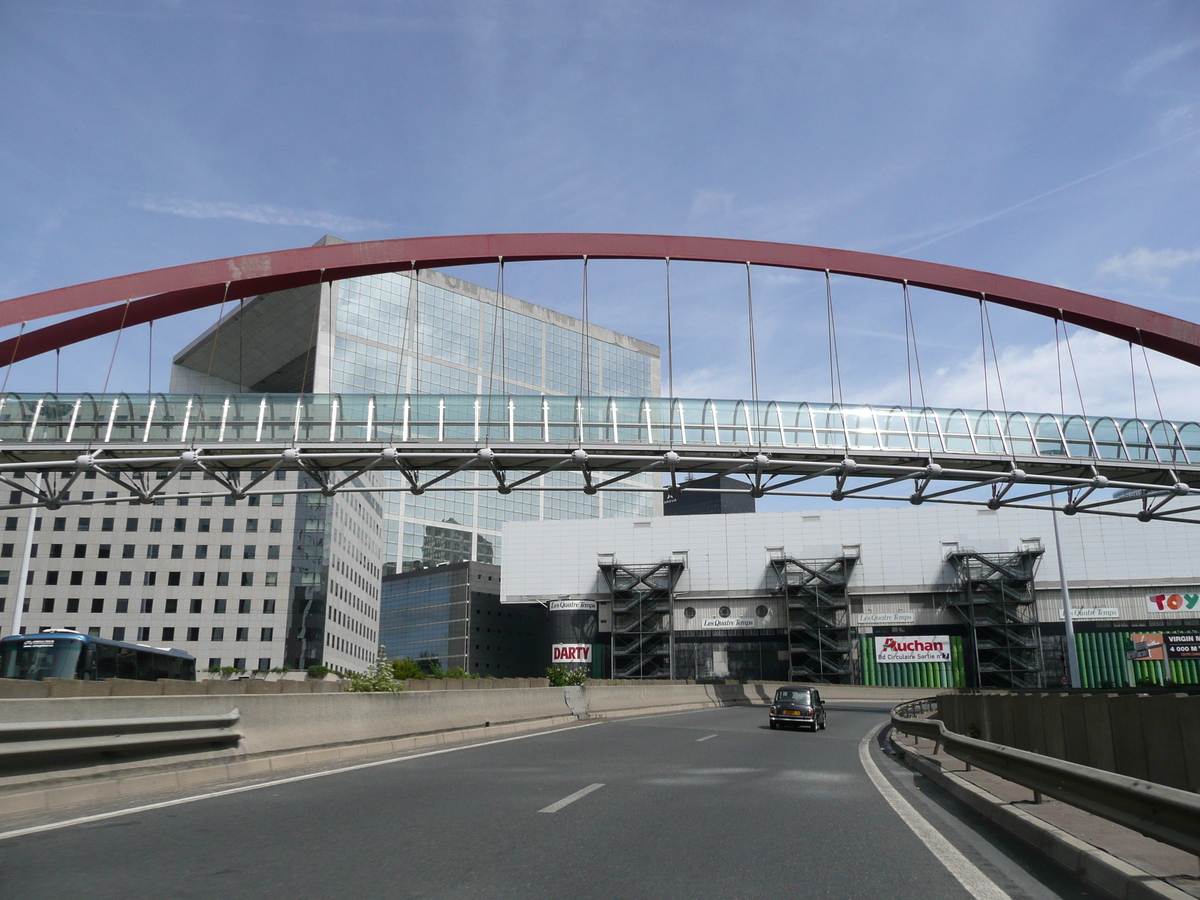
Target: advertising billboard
(1182,646)
(1168,603)
(571,653)
(1144,646)
(905,648)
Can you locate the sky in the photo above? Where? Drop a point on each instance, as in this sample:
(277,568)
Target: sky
(1052,141)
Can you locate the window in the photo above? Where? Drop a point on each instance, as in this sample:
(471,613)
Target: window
(177,551)
(214,661)
(172,606)
(227,525)
(272,579)
(48,605)
(93,630)
(273,551)
(206,501)
(156,524)
(10,524)
(4,576)
(225,552)
(202,551)
(80,551)
(180,525)
(173,579)
(148,579)
(56,551)
(267,634)
(253,501)
(239,663)
(182,501)
(196,605)
(131,524)
(147,605)
(124,578)
(85,524)
(281,476)
(97,604)
(127,551)
(269,606)
(264,664)
(251,525)
(242,634)
(14,497)
(248,551)
(193,634)
(276,526)
(6,550)
(197,579)
(231,501)
(122,606)
(219,605)
(72,604)
(104,551)
(60,524)
(152,551)
(107,524)
(119,633)
(218,634)
(222,579)
(143,634)
(243,606)
(247,579)
(277,500)
(203,524)
(51,578)
(76,578)
(168,635)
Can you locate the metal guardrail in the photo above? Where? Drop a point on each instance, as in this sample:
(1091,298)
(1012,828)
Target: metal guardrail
(25,742)
(1164,813)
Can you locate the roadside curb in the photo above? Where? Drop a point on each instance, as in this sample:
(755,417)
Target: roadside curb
(1102,871)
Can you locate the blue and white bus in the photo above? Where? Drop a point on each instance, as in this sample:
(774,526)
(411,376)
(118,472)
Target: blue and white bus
(68,654)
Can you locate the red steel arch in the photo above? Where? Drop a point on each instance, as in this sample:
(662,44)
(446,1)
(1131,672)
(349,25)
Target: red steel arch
(159,293)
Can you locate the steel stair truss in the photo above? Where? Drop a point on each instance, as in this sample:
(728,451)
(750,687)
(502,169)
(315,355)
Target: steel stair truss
(996,603)
(817,615)
(641,607)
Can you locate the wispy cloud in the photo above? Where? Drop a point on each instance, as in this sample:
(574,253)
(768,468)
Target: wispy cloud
(1147,265)
(1158,60)
(259,214)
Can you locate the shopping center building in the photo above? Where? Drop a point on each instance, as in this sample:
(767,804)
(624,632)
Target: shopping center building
(935,596)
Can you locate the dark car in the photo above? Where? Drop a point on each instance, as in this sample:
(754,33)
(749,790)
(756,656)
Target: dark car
(797,707)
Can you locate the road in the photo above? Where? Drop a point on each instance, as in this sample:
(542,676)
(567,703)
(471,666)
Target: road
(701,804)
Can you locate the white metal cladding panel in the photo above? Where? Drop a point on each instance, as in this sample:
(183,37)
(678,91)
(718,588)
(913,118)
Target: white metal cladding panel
(899,546)
(1130,602)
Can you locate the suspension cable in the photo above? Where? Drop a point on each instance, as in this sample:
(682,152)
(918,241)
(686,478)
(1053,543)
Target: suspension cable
(241,341)
(16,347)
(1133,380)
(312,336)
(915,345)
(498,347)
(116,345)
(1062,399)
(995,359)
(835,364)
(57,360)
(1150,374)
(217,335)
(1074,371)
(670,365)
(987,403)
(753,357)
(149,364)
(585,362)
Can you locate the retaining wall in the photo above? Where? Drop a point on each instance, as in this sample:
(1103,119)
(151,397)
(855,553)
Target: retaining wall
(1156,738)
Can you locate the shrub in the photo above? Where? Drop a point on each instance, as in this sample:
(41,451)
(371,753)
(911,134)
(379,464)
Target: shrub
(318,671)
(378,678)
(281,670)
(561,676)
(405,668)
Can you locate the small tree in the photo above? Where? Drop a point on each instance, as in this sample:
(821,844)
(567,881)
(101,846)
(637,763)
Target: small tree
(405,668)
(318,671)
(378,678)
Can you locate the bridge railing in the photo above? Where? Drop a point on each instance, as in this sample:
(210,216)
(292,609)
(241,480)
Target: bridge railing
(193,419)
(1164,813)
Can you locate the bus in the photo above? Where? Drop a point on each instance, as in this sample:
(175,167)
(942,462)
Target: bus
(69,654)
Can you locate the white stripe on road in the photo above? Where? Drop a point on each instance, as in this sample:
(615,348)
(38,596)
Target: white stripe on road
(707,737)
(570,798)
(969,876)
(83,820)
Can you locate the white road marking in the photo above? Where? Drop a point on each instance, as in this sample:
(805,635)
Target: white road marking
(968,874)
(99,817)
(707,737)
(570,798)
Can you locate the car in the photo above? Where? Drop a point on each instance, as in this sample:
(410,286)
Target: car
(796,707)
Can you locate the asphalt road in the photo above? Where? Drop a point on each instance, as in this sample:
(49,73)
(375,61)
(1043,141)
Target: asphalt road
(702,804)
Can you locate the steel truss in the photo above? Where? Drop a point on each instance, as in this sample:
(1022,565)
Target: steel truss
(996,603)
(817,616)
(642,634)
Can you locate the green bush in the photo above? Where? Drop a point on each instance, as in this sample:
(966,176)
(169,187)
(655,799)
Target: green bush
(404,669)
(280,670)
(435,670)
(318,671)
(379,677)
(561,676)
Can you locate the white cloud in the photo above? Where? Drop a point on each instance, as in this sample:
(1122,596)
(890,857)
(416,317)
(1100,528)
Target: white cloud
(1031,381)
(1158,60)
(259,214)
(1148,265)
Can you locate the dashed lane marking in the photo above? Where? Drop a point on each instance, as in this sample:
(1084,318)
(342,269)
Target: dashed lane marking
(570,798)
(707,737)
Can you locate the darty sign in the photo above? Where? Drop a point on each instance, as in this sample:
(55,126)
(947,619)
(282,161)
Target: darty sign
(898,648)
(571,653)
(1172,602)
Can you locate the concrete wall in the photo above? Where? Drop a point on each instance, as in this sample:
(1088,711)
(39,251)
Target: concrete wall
(1156,738)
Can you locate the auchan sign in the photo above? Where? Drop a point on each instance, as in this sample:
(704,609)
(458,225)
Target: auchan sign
(896,648)
(571,653)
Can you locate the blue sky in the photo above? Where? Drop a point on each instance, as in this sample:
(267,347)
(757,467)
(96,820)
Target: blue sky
(1054,141)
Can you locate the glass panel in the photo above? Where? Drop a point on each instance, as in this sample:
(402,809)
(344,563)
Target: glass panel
(631,419)
(316,417)
(829,429)
(893,428)
(1137,440)
(1190,434)
(527,415)
(955,431)
(563,417)
(731,421)
(389,418)
(987,434)
(1078,441)
(423,412)
(352,416)
(798,427)
(1049,440)
(597,420)
(924,424)
(460,418)
(1167,443)
(54,419)
(770,431)
(1020,434)
(860,425)
(1108,439)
